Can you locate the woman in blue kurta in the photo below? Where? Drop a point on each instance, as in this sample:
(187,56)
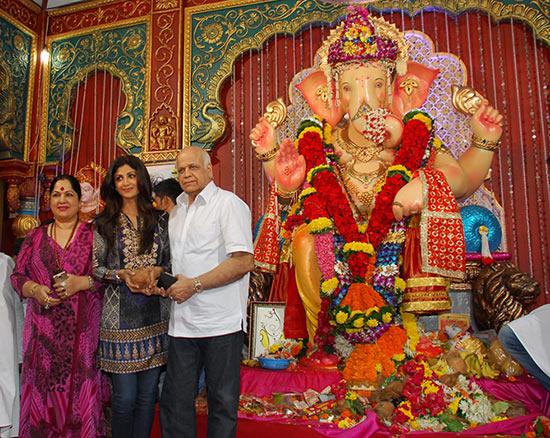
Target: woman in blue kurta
(131,240)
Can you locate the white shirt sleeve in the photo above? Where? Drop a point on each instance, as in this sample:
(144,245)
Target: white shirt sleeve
(236,226)
(532,331)
(10,345)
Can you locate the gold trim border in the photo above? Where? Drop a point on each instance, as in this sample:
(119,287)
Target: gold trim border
(496,9)
(32,76)
(218,122)
(71,9)
(31,5)
(426,307)
(158,157)
(133,365)
(255,42)
(146,19)
(133,335)
(427,282)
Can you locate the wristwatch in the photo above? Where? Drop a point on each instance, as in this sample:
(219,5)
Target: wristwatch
(198,285)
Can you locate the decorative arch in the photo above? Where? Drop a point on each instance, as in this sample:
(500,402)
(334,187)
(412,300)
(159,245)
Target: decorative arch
(216,35)
(121,50)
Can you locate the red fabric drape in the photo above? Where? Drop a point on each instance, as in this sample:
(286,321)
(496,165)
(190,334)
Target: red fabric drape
(505,63)
(97,104)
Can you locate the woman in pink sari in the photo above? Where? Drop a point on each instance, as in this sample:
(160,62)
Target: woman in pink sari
(61,385)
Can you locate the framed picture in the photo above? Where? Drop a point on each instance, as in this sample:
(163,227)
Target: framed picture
(453,323)
(266,326)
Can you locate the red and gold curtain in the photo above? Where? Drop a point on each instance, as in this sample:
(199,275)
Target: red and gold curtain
(505,62)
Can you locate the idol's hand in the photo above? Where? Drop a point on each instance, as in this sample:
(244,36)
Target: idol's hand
(408,200)
(394,131)
(263,136)
(486,123)
(290,167)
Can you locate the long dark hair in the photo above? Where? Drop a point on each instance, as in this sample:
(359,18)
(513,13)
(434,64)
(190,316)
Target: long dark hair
(107,221)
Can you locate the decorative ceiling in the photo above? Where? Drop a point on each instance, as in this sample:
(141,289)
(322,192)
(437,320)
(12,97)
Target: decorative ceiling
(53,4)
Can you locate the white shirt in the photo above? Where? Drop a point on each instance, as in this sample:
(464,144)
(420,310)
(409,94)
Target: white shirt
(202,236)
(532,331)
(11,316)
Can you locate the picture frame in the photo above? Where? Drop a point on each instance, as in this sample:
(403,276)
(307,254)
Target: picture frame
(454,323)
(266,326)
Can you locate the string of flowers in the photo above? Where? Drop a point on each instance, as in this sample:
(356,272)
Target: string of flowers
(414,151)
(346,257)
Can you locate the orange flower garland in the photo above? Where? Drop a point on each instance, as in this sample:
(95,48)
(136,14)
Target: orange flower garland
(362,297)
(368,360)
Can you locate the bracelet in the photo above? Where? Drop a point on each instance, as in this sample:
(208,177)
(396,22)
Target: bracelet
(90,282)
(115,276)
(284,194)
(482,143)
(197,284)
(269,155)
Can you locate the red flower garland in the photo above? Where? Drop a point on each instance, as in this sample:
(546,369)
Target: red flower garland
(329,200)
(415,139)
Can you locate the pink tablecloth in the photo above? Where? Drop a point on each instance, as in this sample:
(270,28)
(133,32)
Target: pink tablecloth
(262,383)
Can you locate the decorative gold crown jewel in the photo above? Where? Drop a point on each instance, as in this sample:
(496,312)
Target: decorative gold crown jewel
(361,38)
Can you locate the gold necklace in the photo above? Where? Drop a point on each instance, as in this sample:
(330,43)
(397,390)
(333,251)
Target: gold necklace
(360,153)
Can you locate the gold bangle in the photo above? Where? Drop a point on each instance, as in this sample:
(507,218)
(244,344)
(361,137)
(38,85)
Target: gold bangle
(482,143)
(90,282)
(269,155)
(284,194)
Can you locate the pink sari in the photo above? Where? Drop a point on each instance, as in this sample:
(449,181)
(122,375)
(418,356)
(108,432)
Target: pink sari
(61,386)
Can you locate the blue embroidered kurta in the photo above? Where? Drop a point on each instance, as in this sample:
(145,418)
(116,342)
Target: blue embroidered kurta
(134,326)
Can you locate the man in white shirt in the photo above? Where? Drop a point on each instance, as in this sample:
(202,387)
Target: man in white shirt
(526,340)
(211,247)
(11,323)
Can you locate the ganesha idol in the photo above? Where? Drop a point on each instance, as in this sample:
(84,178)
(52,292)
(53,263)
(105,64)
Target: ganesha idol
(371,193)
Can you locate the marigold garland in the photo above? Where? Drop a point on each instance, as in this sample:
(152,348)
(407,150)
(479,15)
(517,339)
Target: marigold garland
(349,304)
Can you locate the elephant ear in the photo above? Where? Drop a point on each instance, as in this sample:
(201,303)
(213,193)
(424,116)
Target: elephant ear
(314,88)
(411,89)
